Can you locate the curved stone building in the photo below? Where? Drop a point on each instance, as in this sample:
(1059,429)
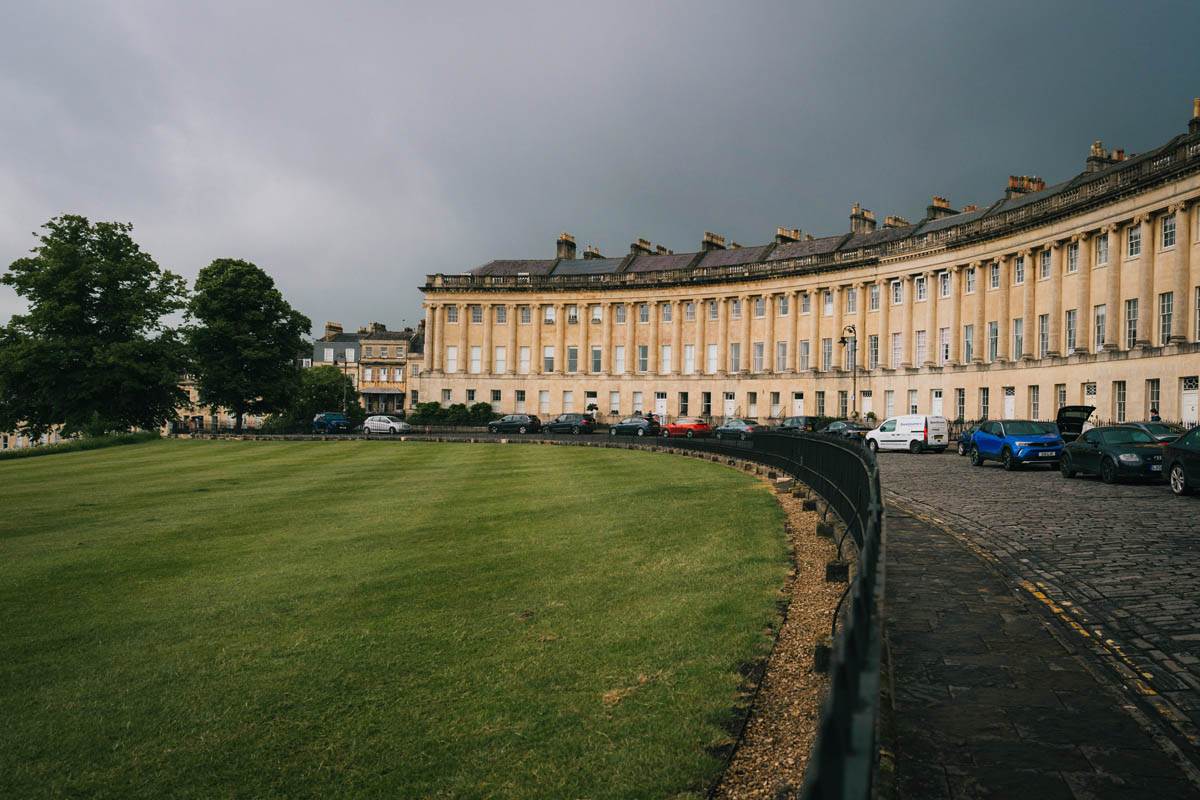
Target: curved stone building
(1087,291)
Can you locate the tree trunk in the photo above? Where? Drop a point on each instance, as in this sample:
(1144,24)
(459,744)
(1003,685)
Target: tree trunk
(237,425)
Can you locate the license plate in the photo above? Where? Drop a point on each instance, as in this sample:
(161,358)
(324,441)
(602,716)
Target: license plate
(937,438)
(1156,467)
(1047,453)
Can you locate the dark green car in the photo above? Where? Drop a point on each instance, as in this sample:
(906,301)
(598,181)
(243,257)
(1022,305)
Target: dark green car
(1113,453)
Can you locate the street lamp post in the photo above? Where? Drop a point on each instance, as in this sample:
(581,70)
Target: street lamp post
(853,340)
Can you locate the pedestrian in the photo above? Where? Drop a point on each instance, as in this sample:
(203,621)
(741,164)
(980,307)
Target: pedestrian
(1154,417)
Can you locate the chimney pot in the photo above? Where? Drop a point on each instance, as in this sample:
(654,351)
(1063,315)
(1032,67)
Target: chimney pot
(566,247)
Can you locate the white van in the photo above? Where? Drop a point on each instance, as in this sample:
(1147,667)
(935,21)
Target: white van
(915,433)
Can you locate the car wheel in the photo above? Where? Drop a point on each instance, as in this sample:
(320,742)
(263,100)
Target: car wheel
(1178,480)
(612,431)
(873,446)
(976,457)
(689,434)
(1006,458)
(1108,471)
(1066,469)
(916,447)
(962,448)
(641,432)
(493,429)
(522,429)
(575,429)
(664,433)
(393,431)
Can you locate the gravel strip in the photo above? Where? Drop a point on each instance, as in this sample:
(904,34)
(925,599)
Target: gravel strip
(770,761)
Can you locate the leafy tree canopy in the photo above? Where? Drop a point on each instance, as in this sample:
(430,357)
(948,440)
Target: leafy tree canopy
(92,354)
(321,389)
(244,339)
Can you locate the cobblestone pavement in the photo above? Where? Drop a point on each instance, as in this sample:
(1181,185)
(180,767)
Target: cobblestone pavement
(1113,567)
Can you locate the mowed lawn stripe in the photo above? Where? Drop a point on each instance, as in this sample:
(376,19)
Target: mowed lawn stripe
(386,619)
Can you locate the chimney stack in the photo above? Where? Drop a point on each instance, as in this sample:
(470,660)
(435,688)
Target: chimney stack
(659,250)
(895,222)
(591,252)
(1194,123)
(1023,184)
(641,247)
(787,235)
(332,329)
(940,208)
(1099,158)
(712,242)
(376,327)
(566,246)
(861,220)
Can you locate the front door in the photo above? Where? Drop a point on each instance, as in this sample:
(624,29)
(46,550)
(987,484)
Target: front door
(797,404)
(1010,402)
(660,404)
(730,406)
(1189,406)
(866,403)
(936,405)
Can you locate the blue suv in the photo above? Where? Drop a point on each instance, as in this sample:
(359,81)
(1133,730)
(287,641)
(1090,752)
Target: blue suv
(1014,442)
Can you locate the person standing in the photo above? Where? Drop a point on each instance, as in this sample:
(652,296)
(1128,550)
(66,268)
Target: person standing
(1154,417)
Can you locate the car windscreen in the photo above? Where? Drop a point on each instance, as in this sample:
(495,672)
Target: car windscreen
(335,417)
(687,421)
(1127,436)
(1029,428)
(1160,429)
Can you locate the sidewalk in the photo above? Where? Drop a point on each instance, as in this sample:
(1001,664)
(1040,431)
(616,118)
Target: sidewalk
(986,702)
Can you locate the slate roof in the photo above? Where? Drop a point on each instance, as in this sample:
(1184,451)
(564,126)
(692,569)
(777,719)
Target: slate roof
(734,256)
(814,247)
(660,263)
(539,266)
(586,266)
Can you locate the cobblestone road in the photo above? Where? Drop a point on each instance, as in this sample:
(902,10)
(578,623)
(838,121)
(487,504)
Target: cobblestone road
(1117,566)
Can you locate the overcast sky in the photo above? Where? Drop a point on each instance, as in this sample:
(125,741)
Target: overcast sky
(351,148)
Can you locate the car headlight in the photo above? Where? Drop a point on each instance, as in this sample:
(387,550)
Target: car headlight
(1129,458)
(1027,444)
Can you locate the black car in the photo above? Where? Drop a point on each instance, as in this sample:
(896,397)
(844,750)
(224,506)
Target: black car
(634,426)
(1161,431)
(330,422)
(571,423)
(1070,421)
(965,439)
(741,429)
(1181,461)
(519,423)
(1113,453)
(797,425)
(847,428)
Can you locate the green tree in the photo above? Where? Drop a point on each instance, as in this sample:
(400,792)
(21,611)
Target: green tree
(321,389)
(244,340)
(92,354)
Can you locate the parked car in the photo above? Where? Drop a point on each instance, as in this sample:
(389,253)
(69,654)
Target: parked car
(1070,421)
(964,439)
(385,423)
(520,423)
(1113,453)
(797,425)
(688,427)
(1014,442)
(738,428)
(915,433)
(1181,461)
(330,422)
(634,426)
(571,423)
(1161,431)
(847,428)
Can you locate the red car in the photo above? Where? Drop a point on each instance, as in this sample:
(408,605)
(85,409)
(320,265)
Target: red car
(687,426)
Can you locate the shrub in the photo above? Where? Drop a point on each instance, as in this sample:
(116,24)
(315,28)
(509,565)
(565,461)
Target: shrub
(75,445)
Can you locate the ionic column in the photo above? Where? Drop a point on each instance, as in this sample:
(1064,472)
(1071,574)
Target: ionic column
(723,335)
(535,356)
(1056,309)
(885,336)
(700,363)
(769,356)
(1002,336)
(956,300)
(746,354)
(1083,297)
(432,345)
(1028,325)
(978,343)
(839,304)
(485,363)
(1183,310)
(676,338)
(606,345)
(860,325)
(630,338)
(1145,318)
(511,358)
(931,294)
(814,343)
(906,322)
(652,361)
(1112,289)
(464,355)
(560,339)
(796,299)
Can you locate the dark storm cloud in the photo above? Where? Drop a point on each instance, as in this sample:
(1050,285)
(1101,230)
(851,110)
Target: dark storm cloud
(350,149)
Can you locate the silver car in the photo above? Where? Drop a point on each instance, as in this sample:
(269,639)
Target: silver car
(385,423)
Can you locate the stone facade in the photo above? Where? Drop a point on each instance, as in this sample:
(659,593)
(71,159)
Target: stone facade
(1083,292)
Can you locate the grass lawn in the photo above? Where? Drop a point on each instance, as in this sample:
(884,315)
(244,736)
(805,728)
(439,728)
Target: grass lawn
(390,619)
